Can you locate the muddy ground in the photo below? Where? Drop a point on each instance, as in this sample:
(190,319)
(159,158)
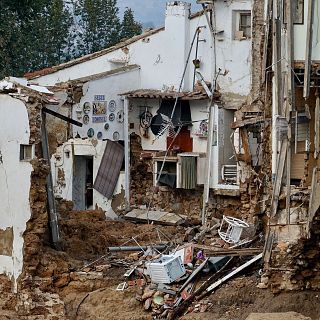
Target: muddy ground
(73,290)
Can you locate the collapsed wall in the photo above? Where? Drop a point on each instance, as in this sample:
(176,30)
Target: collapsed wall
(25,202)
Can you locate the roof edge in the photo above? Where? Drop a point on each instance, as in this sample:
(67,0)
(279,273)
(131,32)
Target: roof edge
(91,56)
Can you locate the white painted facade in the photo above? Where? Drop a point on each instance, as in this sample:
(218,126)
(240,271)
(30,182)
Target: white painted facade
(300,34)
(162,55)
(15,177)
(64,159)
(161,58)
(107,89)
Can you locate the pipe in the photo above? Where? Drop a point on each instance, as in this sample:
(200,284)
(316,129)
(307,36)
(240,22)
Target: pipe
(137,248)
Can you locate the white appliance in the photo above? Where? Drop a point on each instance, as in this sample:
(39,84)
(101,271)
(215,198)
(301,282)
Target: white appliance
(166,269)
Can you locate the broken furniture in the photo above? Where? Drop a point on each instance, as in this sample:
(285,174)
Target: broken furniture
(231,229)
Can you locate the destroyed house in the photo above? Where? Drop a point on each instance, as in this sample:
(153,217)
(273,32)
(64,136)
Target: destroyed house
(152,105)
(292,78)
(25,175)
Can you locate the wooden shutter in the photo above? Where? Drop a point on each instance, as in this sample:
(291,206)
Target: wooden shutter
(109,169)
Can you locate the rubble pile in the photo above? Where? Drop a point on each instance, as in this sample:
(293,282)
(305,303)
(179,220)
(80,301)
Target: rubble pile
(182,201)
(166,282)
(295,266)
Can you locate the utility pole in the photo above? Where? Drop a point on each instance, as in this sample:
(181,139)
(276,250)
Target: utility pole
(212,107)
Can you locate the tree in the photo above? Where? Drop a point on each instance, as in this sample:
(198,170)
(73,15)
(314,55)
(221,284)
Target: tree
(58,23)
(100,25)
(129,26)
(33,35)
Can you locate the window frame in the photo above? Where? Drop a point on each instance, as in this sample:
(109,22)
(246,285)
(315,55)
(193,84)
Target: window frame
(24,149)
(238,27)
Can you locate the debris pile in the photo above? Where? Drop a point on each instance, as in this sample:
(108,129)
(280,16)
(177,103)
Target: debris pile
(168,277)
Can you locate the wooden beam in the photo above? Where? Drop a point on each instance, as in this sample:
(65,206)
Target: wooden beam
(62,117)
(308,54)
(246,156)
(317,128)
(314,202)
(278,178)
(234,272)
(51,200)
(214,251)
(245,122)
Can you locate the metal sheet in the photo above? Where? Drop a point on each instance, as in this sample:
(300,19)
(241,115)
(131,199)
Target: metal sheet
(109,169)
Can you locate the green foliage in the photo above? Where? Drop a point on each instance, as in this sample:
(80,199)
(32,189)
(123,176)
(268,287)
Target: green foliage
(100,24)
(35,34)
(129,26)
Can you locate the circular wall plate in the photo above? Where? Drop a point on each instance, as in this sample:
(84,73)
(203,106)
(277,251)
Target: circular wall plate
(112,106)
(106,126)
(116,136)
(85,119)
(120,116)
(99,135)
(86,107)
(111,116)
(90,133)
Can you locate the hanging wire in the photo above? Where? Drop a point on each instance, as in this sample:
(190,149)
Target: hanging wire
(169,122)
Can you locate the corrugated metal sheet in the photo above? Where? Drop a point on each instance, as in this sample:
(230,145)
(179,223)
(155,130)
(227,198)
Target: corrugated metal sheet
(109,169)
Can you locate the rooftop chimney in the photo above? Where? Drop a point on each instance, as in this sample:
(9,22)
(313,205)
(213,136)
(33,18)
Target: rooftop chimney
(177,30)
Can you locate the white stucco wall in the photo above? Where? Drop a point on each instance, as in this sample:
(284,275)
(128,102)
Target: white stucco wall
(300,34)
(109,87)
(198,113)
(15,180)
(162,56)
(61,160)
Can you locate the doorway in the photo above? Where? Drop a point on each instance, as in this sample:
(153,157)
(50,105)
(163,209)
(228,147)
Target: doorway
(82,184)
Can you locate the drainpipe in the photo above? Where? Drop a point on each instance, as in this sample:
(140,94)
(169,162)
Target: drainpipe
(206,190)
(126,153)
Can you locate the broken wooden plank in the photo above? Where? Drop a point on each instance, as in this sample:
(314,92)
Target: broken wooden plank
(314,203)
(246,156)
(231,274)
(214,251)
(157,217)
(54,224)
(245,122)
(278,179)
(267,250)
(317,128)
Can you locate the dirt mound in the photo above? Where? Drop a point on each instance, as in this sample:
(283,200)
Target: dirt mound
(241,297)
(87,234)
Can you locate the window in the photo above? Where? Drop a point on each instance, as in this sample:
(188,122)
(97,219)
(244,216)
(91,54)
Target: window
(245,24)
(242,25)
(26,152)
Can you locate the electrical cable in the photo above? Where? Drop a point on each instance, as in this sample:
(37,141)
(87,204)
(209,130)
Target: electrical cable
(180,85)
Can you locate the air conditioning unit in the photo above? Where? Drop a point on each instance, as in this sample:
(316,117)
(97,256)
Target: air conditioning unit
(229,173)
(166,269)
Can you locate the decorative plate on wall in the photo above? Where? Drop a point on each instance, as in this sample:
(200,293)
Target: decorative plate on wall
(90,133)
(99,135)
(86,107)
(120,116)
(86,119)
(111,116)
(116,136)
(112,106)
(106,126)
